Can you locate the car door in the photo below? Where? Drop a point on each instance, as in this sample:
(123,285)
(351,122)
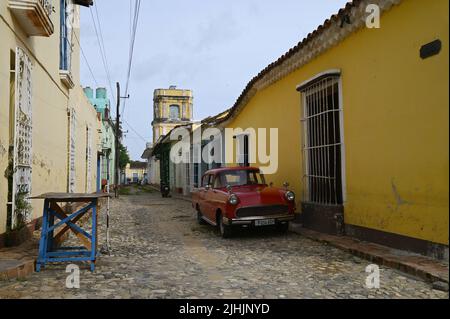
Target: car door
(218,196)
(202,195)
(211,198)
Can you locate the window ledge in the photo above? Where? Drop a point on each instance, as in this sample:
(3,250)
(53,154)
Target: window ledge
(66,79)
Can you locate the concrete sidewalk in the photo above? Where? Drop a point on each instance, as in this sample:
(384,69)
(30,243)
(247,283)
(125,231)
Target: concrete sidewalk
(420,266)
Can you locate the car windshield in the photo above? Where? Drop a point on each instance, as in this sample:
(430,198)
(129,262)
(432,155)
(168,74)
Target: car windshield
(241,177)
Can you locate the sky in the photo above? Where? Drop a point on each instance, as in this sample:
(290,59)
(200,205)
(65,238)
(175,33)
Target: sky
(212,47)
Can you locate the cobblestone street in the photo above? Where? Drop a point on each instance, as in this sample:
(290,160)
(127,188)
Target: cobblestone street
(159,251)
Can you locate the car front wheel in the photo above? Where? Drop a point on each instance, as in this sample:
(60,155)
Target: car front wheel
(200,219)
(225,230)
(283,228)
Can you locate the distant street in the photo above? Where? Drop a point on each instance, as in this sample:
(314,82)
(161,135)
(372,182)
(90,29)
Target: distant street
(159,251)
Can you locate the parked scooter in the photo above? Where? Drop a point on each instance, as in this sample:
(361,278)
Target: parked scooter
(165,190)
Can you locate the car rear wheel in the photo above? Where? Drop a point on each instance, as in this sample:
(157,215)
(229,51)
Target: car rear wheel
(225,230)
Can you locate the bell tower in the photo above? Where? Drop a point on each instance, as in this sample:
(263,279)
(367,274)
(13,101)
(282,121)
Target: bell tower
(171,107)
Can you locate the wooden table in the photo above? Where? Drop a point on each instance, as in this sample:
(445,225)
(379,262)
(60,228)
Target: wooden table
(49,250)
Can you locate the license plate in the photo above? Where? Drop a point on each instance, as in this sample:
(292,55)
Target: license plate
(264,222)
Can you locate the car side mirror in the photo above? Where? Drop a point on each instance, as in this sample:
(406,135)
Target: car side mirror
(286,185)
(229,188)
(207,187)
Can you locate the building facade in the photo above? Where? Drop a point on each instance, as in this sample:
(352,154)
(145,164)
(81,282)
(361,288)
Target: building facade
(363,133)
(136,172)
(48,129)
(206,150)
(106,166)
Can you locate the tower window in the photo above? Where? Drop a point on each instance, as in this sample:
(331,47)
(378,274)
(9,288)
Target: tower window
(174,112)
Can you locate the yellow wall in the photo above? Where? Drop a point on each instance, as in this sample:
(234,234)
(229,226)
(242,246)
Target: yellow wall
(50,100)
(395,109)
(130,171)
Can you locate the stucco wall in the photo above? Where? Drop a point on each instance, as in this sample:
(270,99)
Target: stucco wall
(50,100)
(395,110)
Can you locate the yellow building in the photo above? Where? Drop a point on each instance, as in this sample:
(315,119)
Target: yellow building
(135,172)
(363,120)
(48,129)
(171,107)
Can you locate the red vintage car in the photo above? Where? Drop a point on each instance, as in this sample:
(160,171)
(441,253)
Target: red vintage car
(239,196)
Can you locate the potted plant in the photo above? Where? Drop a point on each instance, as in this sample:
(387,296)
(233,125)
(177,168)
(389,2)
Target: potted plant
(17,233)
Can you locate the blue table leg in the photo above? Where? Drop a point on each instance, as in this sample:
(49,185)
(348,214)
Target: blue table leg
(94,235)
(43,241)
(51,222)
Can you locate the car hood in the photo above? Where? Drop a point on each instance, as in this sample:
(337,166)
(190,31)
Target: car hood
(259,195)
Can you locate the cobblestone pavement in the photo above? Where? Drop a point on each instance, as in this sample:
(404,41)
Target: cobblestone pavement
(159,251)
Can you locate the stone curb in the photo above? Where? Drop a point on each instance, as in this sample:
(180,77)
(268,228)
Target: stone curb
(20,270)
(423,267)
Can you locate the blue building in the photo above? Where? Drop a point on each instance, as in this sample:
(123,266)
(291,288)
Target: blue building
(106,159)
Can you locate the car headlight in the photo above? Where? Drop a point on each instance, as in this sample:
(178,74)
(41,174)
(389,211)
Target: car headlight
(233,199)
(290,196)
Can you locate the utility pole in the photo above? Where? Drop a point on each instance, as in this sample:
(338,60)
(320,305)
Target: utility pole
(117,182)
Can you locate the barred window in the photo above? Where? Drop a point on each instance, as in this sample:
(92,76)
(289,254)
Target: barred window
(88,159)
(72,145)
(322,145)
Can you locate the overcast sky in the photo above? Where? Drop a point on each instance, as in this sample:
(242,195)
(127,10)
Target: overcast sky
(212,47)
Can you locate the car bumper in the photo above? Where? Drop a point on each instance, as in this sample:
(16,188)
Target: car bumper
(279,218)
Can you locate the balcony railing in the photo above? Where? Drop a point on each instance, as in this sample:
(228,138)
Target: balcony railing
(34,16)
(47,5)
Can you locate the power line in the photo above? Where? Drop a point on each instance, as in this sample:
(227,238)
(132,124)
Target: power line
(86,60)
(131,18)
(139,135)
(102,53)
(131,50)
(102,41)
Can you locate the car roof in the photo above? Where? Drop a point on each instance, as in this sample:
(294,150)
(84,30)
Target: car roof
(233,168)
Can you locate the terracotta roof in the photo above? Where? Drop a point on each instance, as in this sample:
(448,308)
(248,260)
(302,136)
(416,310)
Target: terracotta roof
(339,18)
(211,120)
(138,165)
